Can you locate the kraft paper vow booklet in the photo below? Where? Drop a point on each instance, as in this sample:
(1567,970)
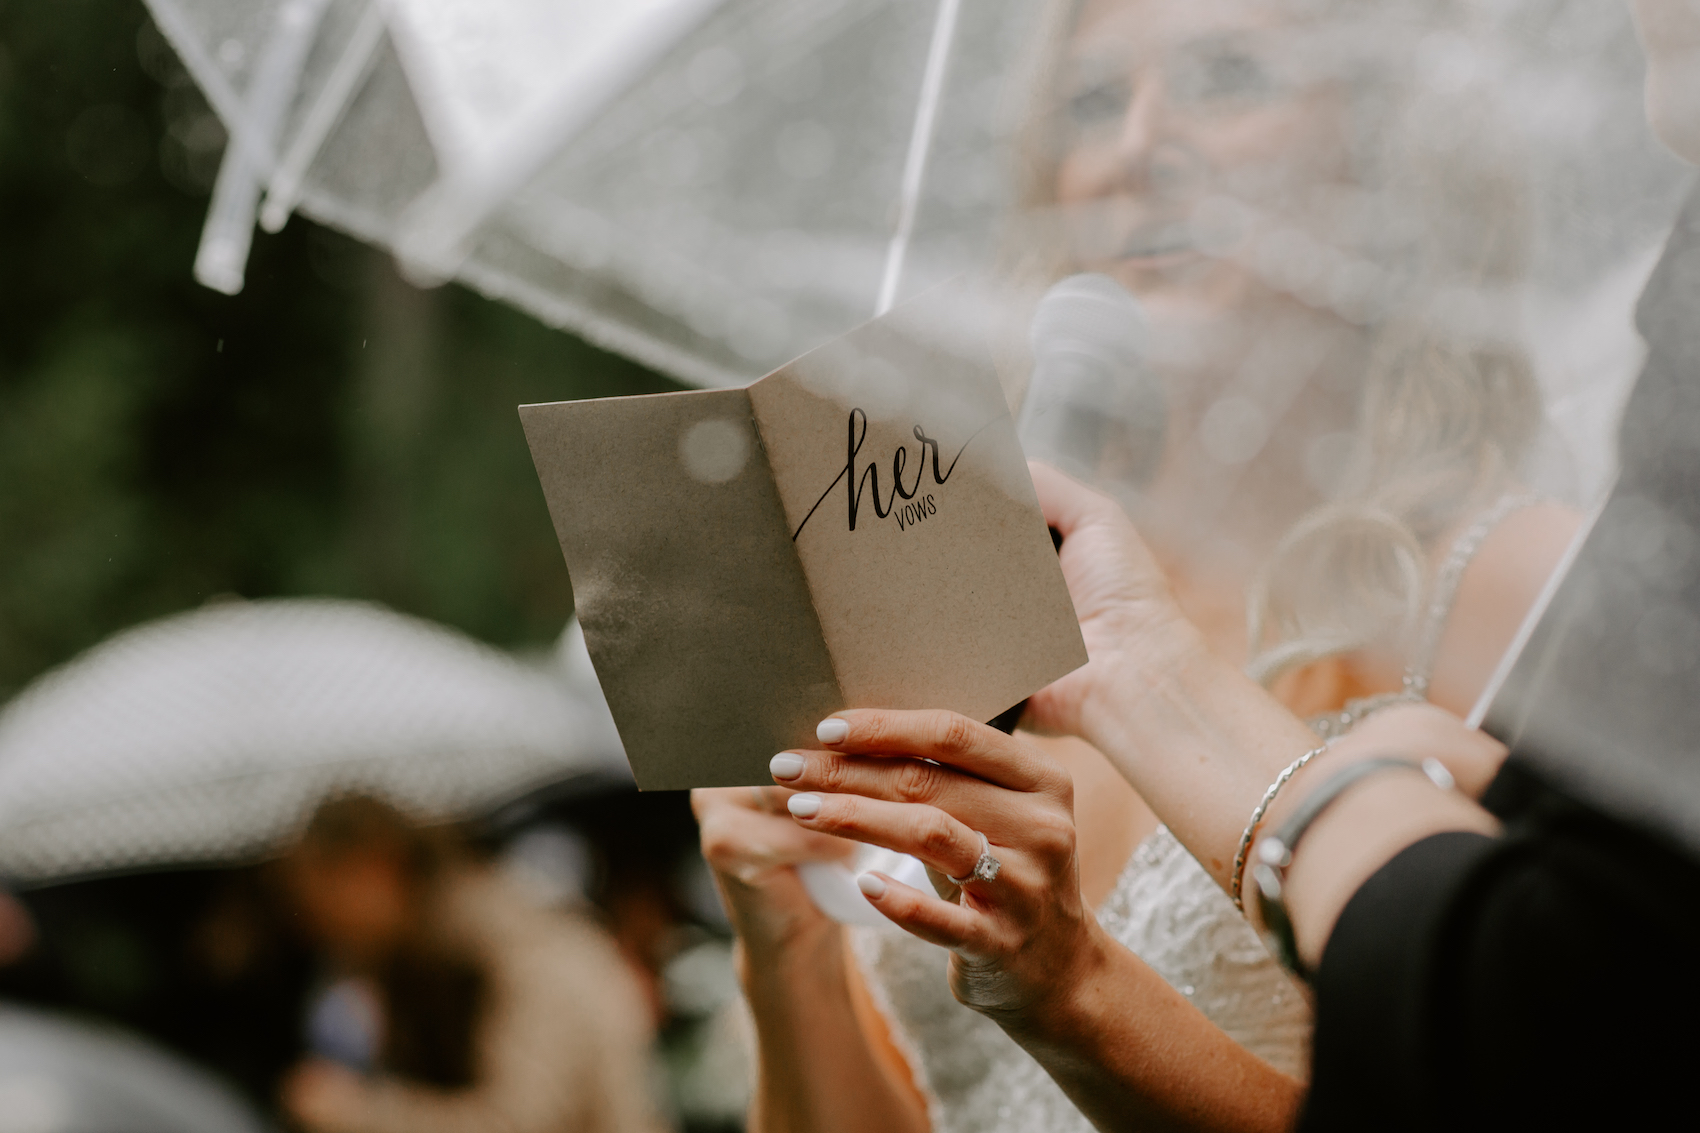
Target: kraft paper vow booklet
(856,529)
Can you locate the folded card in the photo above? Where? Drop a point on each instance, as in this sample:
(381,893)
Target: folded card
(856,529)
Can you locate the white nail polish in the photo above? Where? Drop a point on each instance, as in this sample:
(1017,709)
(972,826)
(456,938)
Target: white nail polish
(786,765)
(871,885)
(832,730)
(803,806)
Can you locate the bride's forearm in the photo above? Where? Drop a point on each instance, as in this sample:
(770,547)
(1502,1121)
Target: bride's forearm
(1198,739)
(819,1070)
(1133,1054)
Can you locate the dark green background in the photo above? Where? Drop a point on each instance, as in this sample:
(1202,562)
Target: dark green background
(330,430)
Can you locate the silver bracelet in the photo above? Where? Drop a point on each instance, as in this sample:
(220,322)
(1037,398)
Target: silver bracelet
(1275,853)
(1237,882)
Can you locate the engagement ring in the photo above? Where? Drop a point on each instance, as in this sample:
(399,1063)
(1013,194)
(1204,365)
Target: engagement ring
(986,869)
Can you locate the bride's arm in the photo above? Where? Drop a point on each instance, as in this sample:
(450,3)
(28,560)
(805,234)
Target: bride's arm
(826,1062)
(1131,1051)
(1198,739)
(1201,742)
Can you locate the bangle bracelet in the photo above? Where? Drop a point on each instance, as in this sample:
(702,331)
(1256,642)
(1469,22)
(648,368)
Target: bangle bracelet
(1236,884)
(1275,853)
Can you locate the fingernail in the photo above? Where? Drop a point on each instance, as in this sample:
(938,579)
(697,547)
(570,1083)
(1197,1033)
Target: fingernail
(803,806)
(786,765)
(832,730)
(871,885)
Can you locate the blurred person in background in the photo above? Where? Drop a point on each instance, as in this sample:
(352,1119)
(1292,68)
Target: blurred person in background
(1239,167)
(471,1008)
(17,930)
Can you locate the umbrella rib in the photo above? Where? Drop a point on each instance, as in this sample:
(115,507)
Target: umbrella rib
(920,142)
(221,262)
(351,69)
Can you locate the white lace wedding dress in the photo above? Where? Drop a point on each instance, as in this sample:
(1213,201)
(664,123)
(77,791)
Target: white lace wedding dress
(1168,911)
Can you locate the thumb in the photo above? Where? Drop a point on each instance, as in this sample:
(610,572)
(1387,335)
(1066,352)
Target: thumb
(1067,503)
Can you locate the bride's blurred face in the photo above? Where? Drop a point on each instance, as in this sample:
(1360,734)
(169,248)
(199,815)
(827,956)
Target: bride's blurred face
(1191,128)
(1201,149)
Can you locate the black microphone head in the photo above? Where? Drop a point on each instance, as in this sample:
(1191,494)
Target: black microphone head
(1093,399)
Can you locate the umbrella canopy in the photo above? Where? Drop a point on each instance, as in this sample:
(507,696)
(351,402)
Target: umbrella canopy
(210,735)
(709,186)
(58,1076)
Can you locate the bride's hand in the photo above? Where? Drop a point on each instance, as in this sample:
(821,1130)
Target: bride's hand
(930,784)
(1127,614)
(752,845)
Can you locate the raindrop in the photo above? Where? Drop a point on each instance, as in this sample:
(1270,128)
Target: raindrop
(231,54)
(715,76)
(1233,430)
(203,133)
(714,451)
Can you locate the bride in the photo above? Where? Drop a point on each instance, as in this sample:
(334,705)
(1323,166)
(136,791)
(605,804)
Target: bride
(1330,456)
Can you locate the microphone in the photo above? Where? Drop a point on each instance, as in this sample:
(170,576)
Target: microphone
(1093,407)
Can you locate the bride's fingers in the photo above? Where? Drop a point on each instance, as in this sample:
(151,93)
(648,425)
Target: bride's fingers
(944,737)
(926,915)
(705,800)
(1066,502)
(739,840)
(974,801)
(936,838)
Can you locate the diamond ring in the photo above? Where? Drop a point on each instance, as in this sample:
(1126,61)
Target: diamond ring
(986,869)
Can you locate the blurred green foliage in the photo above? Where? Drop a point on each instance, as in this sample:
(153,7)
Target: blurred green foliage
(331,430)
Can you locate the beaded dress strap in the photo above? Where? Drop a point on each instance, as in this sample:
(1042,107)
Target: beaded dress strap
(1420,668)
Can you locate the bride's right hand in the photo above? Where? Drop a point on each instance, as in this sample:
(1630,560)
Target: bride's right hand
(1128,615)
(752,844)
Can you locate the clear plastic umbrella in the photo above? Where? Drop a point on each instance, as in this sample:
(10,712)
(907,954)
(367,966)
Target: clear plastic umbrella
(709,186)
(210,735)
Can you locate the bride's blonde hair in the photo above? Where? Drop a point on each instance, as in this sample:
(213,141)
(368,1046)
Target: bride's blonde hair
(1449,405)
(1442,429)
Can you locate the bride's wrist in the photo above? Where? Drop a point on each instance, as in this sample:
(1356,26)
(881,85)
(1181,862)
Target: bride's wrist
(1152,654)
(1056,1019)
(777,966)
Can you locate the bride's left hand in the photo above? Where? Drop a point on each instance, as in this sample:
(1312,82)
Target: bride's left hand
(930,783)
